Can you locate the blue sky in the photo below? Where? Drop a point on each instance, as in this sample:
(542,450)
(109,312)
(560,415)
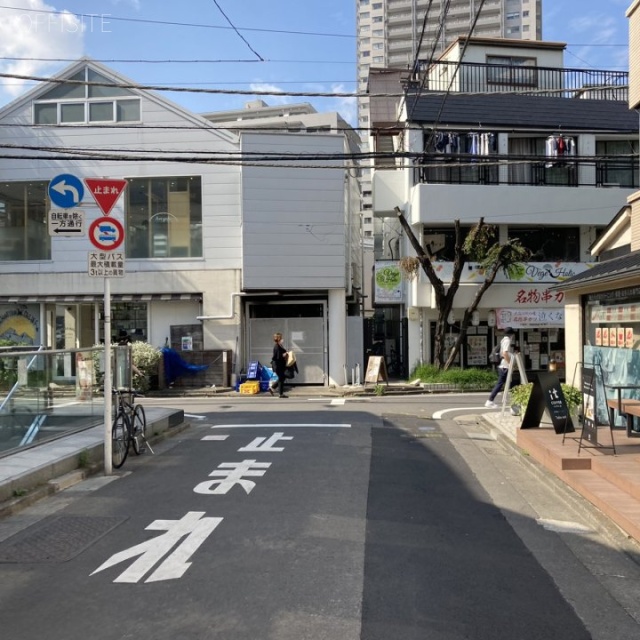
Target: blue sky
(287,45)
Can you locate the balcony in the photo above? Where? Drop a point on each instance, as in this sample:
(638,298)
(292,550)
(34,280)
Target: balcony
(569,171)
(593,84)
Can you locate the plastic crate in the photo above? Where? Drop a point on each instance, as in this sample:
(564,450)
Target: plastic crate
(250,387)
(264,385)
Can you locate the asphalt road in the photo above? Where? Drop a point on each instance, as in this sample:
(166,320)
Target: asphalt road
(317,519)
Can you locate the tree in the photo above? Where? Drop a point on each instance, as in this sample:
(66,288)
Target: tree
(478,246)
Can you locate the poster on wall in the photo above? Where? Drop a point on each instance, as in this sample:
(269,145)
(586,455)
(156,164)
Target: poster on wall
(477,350)
(629,338)
(598,336)
(621,336)
(388,283)
(613,337)
(19,323)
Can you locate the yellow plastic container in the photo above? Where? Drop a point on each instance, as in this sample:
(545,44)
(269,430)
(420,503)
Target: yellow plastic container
(250,387)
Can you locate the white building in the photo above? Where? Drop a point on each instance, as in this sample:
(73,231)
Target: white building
(389,33)
(228,236)
(547,168)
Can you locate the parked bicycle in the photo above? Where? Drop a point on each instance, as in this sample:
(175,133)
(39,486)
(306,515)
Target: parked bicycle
(129,427)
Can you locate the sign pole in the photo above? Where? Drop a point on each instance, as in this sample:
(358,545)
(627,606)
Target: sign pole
(108,418)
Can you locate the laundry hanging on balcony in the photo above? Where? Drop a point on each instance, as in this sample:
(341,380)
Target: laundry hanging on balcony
(448,142)
(559,148)
(481,144)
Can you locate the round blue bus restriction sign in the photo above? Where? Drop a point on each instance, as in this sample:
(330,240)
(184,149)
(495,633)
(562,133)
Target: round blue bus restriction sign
(106,233)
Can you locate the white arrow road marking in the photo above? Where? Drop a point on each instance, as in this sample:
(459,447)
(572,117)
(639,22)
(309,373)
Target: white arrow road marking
(439,414)
(62,187)
(319,425)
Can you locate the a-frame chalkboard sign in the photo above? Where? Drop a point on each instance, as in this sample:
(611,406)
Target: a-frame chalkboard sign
(547,394)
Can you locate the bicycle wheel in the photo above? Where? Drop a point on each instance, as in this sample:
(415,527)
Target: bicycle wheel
(120,439)
(139,429)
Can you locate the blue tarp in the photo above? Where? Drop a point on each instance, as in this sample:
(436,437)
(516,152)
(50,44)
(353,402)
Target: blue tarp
(175,366)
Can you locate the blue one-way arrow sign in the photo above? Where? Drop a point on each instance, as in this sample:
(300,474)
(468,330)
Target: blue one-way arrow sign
(66,191)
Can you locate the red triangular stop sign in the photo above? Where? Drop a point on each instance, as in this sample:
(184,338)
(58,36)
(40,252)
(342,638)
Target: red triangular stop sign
(105,191)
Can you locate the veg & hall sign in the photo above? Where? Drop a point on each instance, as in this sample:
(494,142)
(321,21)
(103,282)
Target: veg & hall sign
(388,285)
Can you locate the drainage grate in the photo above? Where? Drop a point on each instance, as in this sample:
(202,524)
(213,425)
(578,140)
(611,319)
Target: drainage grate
(56,539)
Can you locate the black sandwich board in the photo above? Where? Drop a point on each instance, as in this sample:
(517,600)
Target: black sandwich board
(547,394)
(589,414)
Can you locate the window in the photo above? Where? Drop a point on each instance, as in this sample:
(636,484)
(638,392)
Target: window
(164,217)
(512,70)
(378,33)
(71,113)
(618,163)
(513,15)
(378,45)
(101,112)
(23,221)
(378,19)
(549,243)
(70,103)
(378,59)
(376,5)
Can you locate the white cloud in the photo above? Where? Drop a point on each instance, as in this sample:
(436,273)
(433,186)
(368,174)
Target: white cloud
(271,100)
(34,30)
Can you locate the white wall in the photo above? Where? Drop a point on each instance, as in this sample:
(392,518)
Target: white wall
(293,220)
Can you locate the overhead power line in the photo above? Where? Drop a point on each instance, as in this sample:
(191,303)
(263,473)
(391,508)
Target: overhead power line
(236,30)
(112,18)
(271,92)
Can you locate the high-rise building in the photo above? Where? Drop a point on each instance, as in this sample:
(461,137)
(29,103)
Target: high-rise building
(389,33)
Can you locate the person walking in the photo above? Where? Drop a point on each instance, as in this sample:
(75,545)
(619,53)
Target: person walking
(506,353)
(279,363)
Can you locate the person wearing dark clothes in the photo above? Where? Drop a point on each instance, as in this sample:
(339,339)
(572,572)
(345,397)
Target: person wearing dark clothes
(279,363)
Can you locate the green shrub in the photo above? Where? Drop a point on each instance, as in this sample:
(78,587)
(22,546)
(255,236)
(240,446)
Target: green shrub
(145,357)
(463,378)
(520,395)
(8,372)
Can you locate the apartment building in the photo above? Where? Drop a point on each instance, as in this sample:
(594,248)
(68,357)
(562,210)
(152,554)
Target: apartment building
(389,33)
(549,168)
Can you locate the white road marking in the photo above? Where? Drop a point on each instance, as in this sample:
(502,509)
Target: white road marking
(218,438)
(318,425)
(439,414)
(194,415)
(560,526)
(338,401)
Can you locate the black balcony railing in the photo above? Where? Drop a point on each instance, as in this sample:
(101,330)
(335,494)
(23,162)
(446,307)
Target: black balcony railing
(475,77)
(528,170)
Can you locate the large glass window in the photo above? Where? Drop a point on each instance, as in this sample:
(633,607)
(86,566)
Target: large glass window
(23,221)
(164,217)
(549,243)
